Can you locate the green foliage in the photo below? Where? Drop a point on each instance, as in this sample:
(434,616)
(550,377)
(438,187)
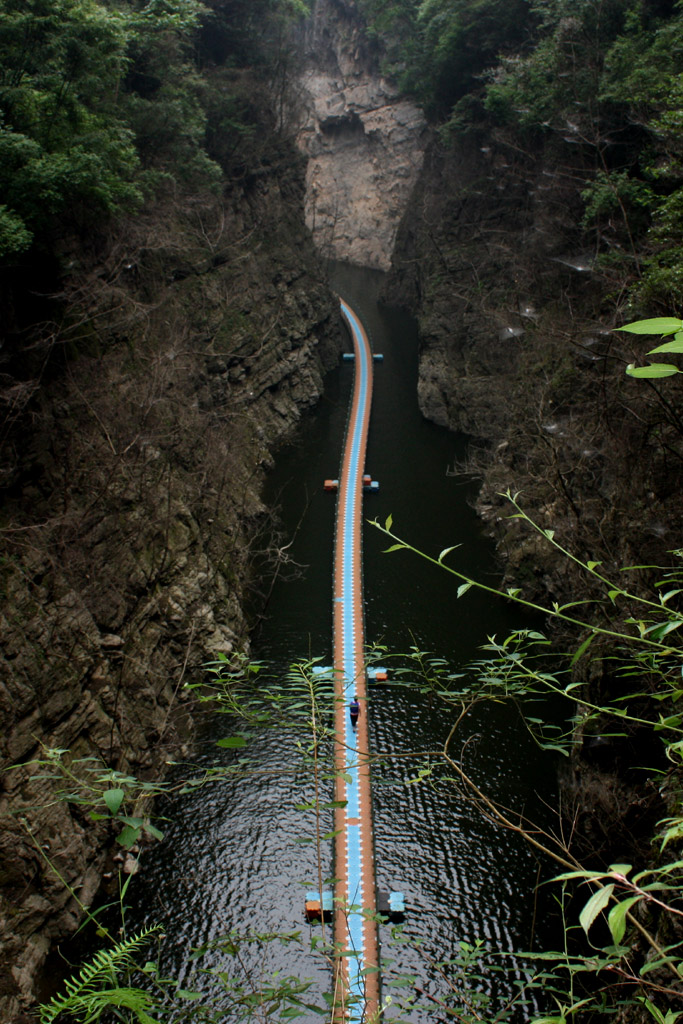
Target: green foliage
(607,79)
(465,974)
(14,235)
(659,325)
(459,41)
(621,913)
(555,84)
(276,997)
(107,794)
(104,103)
(610,191)
(95,990)
(301,697)
(437,48)
(61,142)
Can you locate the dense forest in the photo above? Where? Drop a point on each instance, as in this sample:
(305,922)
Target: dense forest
(166,321)
(108,105)
(598,81)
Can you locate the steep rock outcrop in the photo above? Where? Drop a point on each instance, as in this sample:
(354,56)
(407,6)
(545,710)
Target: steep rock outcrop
(185,350)
(515,351)
(364,142)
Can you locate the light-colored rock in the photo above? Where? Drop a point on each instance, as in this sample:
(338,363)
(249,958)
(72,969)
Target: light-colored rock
(364,143)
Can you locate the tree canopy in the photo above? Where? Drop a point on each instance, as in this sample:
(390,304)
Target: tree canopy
(104,101)
(601,80)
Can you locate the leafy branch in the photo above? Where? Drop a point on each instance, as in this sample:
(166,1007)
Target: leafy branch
(86,999)
(665,326)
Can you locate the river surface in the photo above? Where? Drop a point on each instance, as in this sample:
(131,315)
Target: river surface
(233,857)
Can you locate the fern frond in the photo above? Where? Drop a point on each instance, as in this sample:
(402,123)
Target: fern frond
(85,999)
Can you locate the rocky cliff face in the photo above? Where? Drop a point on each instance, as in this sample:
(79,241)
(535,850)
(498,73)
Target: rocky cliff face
(516,352)
(185,351)
(364,143)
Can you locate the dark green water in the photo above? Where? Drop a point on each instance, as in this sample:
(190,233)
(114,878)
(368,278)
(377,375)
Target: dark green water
(231,859)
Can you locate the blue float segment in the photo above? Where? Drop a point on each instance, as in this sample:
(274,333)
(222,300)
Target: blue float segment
(397,903)
(348,357)
(350,518)
(377,357)
(326,902)
(376,674)
(354,930)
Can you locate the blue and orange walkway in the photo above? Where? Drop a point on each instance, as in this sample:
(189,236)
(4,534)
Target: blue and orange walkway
(355,928)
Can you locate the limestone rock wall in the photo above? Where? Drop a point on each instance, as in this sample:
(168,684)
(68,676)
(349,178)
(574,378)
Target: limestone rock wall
(131,514)
(364,143)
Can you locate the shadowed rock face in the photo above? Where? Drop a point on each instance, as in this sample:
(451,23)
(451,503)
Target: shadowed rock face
(364,143)
(132,487)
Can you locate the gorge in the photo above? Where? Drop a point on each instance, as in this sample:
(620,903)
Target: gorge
(158,353)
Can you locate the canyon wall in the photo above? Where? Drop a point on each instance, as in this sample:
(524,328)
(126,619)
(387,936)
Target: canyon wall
(517,351)
(180,355)
(364,142)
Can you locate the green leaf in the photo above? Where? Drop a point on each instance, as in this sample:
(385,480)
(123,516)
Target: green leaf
(463,588)
(617,918)
(654,1011)
(662,629)
(128,836)
(388,523)
(621,869)
(184,993)
(232,742)
(394,547)
(655,370)
(596,904)
(657,325)
(583,648)
(671,1015)
(670,722)
(670,346)
(113,798)
(447,551)
(153,831)
(656,965)
(554,746)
